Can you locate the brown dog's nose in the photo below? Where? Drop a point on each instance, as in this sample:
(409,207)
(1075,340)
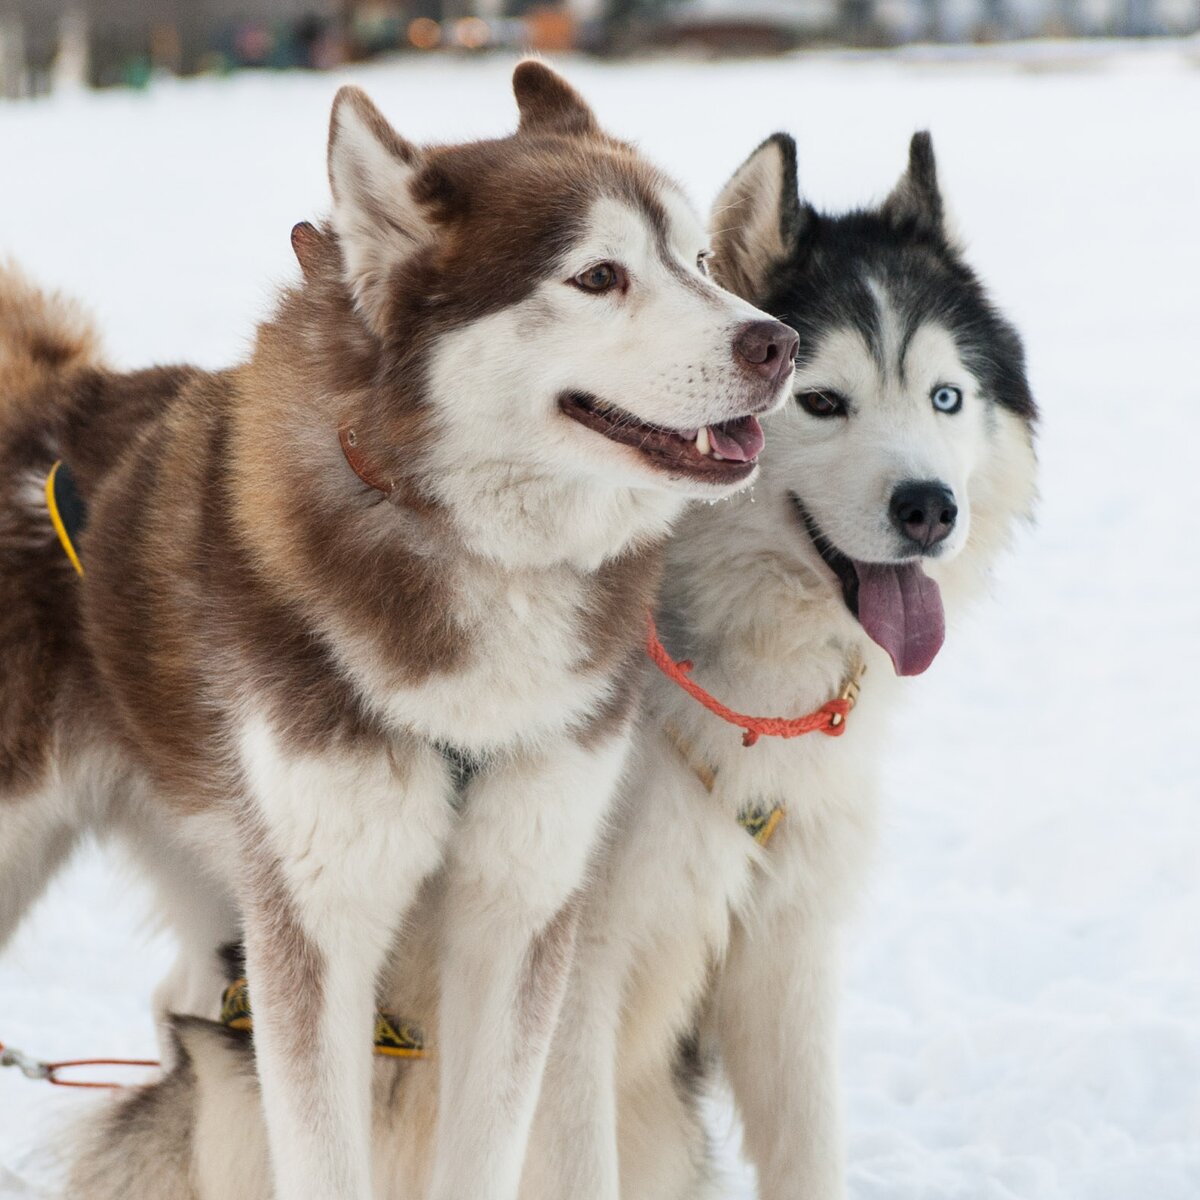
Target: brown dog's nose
(768,348)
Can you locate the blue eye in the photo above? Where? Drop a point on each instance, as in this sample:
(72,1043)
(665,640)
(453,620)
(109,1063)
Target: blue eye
(946,399)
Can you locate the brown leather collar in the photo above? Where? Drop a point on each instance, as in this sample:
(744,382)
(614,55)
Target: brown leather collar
(360,464)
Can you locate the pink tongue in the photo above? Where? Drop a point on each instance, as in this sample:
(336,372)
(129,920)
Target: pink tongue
(739,441)
(900,607)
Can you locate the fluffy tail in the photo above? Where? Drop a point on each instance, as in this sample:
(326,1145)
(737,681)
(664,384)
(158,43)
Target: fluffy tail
(42,334)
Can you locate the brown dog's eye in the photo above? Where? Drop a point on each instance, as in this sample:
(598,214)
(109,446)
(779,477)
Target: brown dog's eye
(603,277)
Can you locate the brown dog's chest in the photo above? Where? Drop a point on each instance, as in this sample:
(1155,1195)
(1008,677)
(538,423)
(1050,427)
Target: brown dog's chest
(535,658)
(191,634)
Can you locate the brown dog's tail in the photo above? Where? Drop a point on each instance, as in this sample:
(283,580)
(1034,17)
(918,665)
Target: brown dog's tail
(42,334)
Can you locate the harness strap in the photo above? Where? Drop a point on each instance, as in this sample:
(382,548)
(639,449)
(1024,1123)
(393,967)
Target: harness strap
(761,823)
(393,1037)
(68,512)
(759,820)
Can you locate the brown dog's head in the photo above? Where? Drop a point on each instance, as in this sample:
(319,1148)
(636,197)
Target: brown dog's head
(551,290)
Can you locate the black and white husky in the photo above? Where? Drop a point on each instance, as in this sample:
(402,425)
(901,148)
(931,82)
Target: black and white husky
(710,931)
(892,483)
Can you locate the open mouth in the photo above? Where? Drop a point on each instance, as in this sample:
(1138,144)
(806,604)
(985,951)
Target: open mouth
(721,453)
(897,604)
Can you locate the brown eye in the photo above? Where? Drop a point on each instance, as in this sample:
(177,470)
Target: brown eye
(603,277)
(822,404)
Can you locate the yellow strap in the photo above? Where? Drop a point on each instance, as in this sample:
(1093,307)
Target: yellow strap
(393,1038)
(56,518)
(702,771)
(760,823)
(397,1038)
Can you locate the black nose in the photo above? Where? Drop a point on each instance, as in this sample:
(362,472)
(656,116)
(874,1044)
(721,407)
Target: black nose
(768,348)
(924,512)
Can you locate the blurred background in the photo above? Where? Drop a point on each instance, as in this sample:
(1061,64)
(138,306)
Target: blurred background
(53,43)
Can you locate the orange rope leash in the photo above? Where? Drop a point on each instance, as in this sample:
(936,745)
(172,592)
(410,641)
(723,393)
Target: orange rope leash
(33,1068)
(55,1067)
(829,719)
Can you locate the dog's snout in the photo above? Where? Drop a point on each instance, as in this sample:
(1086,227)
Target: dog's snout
(924,512)
(768,348)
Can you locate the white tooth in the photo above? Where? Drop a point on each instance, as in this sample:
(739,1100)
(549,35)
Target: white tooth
(718,456)
(702,443)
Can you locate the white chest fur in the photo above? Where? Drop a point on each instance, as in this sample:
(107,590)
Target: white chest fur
(523,678)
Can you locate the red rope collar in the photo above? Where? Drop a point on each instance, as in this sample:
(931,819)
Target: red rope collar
(829,719)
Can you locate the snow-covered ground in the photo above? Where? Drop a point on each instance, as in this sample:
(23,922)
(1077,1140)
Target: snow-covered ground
(1023,1005)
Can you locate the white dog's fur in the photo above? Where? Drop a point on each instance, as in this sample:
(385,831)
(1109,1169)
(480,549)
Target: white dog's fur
(694,930)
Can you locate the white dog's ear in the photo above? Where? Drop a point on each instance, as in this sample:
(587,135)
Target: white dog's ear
(915,202)
(548,103)
(757,219)
(378,221)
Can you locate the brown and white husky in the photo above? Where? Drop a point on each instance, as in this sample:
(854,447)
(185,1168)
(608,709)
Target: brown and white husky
(416,532)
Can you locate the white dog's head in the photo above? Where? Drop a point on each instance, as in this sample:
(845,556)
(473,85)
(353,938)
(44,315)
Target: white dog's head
(908,448)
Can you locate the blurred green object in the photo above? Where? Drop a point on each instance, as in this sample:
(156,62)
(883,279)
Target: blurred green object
(136,72)
(216,62)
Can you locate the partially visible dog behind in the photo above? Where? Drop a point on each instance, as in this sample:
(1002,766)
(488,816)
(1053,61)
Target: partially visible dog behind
(710,934)
(371,604)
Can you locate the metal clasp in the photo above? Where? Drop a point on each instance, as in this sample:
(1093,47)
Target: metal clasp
(850,692)
(31,1068)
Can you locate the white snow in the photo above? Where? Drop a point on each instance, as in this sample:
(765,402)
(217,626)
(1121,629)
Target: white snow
(1022,1018)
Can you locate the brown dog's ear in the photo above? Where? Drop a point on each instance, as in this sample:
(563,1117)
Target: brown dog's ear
(377,219)
(916,201)
(548,103)
(311,247)
(758,219)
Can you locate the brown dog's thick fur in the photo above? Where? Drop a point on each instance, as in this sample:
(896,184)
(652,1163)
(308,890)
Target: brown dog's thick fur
(279,649)
(56,401)
(210,522)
